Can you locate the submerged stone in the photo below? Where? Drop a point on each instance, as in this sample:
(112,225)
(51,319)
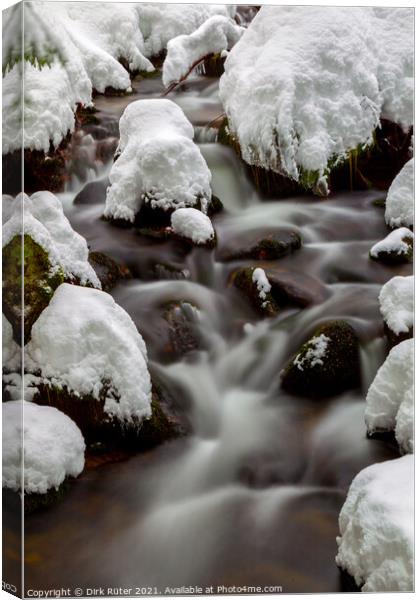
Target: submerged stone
(326,365)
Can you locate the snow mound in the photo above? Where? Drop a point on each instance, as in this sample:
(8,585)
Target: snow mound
(306,85)
(215,35)
(396,301)
(158,162)
(376,523)
(394,243)
(314,354)
(87,343)
(192,224)
(160,23)
(390,398)
(44,221)
(11,352)
(53,447)
(399,206)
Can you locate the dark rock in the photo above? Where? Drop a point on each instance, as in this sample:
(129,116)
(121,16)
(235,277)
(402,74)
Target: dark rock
(97,427)
(291,288)
(394,257)
(35,502)
(396,338)
(260,246)
(109,272)
(337,371)
(93,192)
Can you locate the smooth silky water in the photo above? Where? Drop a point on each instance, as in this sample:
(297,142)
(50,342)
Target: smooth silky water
(251,496)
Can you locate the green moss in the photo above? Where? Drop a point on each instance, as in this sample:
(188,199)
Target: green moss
(338,371)
(40,282)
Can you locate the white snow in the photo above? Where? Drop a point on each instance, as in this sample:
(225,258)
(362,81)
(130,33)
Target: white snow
(158,162)
(314,354)
(393,243)
(376,544)
(305,85)
(161,22)
(396,301)
(192,224)
(217,34)
(45,222)
(76,48)
(84,341)
(53,447)
(263,285)
(11,352)
(390,398)
(399,206)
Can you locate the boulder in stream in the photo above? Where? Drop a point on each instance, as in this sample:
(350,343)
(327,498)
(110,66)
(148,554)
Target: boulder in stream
(260,246)
(326,365)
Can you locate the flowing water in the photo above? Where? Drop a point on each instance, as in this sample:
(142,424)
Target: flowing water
(251,496)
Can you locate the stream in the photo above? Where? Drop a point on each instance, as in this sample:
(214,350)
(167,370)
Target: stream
(251,496)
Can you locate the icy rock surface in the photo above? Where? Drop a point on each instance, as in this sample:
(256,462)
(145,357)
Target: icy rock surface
(158,163)
(305,85)
(399,208)
(87,343)
(376,543)
(396,301)
(44,221)
(53,447)
(390,398)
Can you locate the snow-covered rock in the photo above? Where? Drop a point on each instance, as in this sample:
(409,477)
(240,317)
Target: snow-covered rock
(158,163)
(160,23)
(397,245)
(192,224)
(306,85)
(390,398)
(396,301)
(72,49)
(87,343)
(376,543)
(314,354)
(53,447)
(44,221)
(399,206)
(215,35)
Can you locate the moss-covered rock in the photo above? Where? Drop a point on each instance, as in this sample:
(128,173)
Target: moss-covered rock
(40,281)
(35,502)
(109,272)
(326,365)
(242,280)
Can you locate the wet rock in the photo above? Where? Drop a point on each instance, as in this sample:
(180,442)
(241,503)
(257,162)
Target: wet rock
(326,365)
(97,427)
(35,502)
(165,271)
(109,272)
(242,280)
(94,192)
(182,318)
(260,246)
(40,282)
(290,288)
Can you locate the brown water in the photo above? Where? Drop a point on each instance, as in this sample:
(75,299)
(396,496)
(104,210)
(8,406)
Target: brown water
(252,495)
